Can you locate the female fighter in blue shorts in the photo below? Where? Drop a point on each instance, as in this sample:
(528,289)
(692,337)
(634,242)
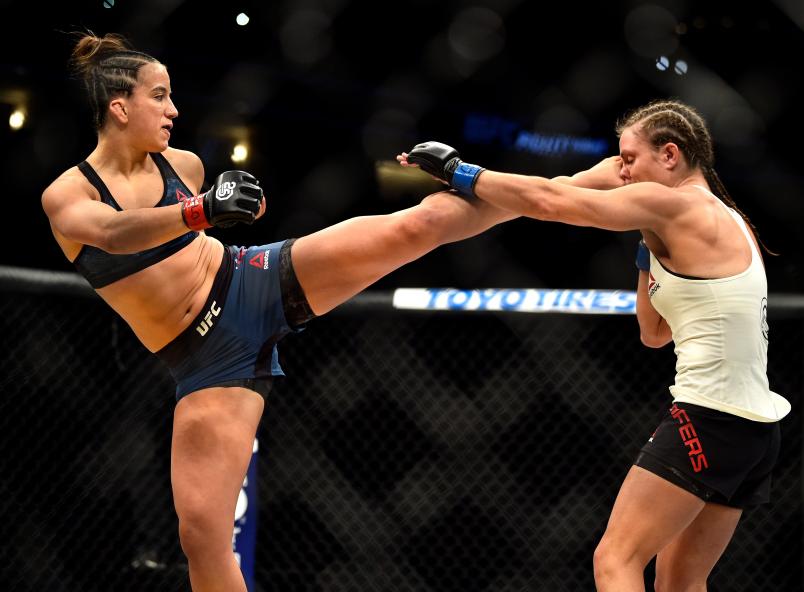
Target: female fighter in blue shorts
(131,219)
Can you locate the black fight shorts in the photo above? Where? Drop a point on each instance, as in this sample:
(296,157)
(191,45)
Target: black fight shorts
(716,456)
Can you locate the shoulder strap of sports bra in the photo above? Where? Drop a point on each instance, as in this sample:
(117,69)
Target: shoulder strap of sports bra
(97,183)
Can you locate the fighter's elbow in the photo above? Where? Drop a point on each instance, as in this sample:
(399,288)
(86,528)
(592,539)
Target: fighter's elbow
(654,340)
(110,245)
(111,240)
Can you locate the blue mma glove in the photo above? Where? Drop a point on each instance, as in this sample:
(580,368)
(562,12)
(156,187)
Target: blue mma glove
(643,257)
(444,163)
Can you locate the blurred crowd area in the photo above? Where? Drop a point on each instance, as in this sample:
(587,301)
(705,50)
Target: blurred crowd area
(324,93)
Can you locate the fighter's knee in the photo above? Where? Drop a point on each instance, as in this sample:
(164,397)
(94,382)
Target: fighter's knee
(191,533)
(613,558)
(190,538)
(434,197)
(434,220)
(604,561)
(196,533)
(420,225)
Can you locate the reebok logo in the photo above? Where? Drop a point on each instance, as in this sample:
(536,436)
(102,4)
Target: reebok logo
(653,285)
(206,323)
(260,260)
(225,191)
(180,197)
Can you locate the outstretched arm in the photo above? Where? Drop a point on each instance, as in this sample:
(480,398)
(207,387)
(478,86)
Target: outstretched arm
(595,197)
(630,207)
(568,200)
(603,175)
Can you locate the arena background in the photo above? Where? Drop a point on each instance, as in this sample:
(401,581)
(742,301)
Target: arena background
(406,451)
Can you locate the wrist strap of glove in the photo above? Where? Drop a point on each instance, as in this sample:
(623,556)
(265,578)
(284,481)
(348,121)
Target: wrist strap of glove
(192,212)
(465,177)
(643,257)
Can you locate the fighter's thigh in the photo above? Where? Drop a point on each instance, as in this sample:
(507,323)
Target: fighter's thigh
(213,436)
(648,513)
(336,263)
(691,556)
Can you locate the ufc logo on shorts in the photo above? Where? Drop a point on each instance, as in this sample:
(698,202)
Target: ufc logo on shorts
(225,191)
(207,322)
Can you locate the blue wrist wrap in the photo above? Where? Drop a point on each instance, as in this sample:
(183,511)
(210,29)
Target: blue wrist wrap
(465,177)
(643,257)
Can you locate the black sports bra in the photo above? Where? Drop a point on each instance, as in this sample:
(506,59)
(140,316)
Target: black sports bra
(101,268)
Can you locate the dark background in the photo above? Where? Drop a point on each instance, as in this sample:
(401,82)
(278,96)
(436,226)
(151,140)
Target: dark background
(326,92)
(405,445)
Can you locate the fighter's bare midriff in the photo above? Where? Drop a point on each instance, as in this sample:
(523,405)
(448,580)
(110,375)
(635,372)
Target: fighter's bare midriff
(160,301)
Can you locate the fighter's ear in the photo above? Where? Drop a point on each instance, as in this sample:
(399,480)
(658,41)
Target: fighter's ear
(118,109)
(670,155)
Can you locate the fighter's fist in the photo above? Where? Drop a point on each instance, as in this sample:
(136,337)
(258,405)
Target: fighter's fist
(235,196)
(435,158)
(444,163)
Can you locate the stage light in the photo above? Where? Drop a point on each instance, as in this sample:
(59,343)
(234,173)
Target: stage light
(17,119)
(242,19)
(239,153)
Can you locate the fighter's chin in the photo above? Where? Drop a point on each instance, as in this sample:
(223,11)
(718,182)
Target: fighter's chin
(163,140)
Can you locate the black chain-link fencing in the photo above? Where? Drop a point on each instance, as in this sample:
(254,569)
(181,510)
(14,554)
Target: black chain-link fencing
(405,451)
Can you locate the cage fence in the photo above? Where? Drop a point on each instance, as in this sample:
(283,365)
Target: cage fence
(432,451)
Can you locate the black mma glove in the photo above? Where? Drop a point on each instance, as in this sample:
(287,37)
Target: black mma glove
(444,162)
(235,196)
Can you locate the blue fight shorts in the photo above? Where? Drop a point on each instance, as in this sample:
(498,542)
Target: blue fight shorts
(232,341)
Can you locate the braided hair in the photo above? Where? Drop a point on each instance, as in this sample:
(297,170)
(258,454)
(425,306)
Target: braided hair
(666,121)
(108,67)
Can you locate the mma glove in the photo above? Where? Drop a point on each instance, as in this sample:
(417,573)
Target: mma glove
(643,257)
(234,197)
(444,163)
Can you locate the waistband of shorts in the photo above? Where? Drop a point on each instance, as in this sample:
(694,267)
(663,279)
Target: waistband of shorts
(188,341)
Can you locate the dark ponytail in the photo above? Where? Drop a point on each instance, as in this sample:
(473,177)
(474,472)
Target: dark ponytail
(108,66)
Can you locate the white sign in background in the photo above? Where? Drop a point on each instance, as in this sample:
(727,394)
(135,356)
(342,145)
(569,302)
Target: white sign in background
(518,300)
